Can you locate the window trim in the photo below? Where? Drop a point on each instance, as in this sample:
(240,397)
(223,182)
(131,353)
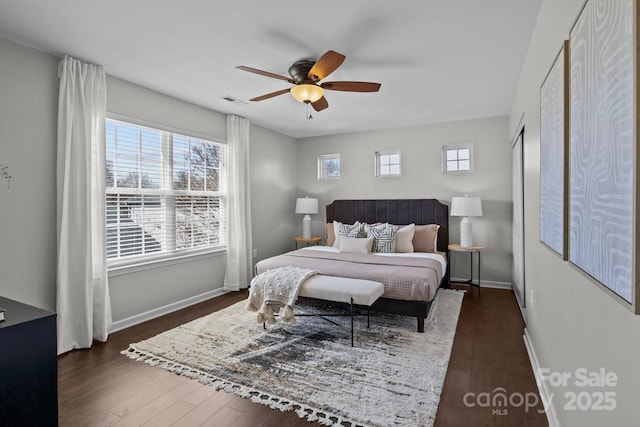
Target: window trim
(321,159)
(165,128)
(378,163)
(457,147)
(119,266)
(151,262)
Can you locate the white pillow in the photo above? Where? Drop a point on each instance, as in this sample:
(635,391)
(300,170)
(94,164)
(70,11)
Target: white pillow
(336,230)
(360,245)
(404,238)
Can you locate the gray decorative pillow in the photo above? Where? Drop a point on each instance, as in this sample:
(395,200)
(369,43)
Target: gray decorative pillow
(384,237)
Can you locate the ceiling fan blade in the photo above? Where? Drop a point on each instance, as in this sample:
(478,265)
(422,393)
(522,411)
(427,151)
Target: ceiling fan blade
(326,65)
(352,86)
(265,73)
(270,95)
(320,104)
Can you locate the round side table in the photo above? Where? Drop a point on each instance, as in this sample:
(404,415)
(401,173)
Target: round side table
(454,247)
(309,241)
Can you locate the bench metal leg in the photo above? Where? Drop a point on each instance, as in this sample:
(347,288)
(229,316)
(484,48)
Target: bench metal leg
(351,312)
(324,316)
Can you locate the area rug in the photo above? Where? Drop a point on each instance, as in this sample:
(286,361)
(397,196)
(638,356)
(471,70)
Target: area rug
(393,376)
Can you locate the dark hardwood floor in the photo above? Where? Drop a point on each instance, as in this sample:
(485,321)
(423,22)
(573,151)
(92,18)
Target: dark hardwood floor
(101,387)
(488,355)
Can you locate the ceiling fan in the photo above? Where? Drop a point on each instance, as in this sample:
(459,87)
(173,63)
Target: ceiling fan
(306,75)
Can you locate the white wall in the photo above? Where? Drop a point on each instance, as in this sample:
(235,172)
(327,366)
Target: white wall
(572,323)
(273,192)
(422,178)
(28,128)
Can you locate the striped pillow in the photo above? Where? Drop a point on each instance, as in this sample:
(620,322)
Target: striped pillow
(356,230)
(347,228)
(384,237)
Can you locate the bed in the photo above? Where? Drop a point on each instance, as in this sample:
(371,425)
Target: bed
(410,279)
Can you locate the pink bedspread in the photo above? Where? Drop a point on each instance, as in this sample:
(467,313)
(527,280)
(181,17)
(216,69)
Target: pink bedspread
(404,278)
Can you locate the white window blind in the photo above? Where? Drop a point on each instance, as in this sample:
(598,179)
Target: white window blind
(166,193)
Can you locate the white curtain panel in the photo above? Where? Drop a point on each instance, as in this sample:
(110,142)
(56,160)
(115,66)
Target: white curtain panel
(83,304)
(239,247)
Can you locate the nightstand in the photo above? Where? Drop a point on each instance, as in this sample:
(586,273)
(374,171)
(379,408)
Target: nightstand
(309,241)
(454,247)
(29,366)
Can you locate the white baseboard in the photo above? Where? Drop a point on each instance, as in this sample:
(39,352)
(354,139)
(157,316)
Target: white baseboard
(542,385)
(485,283)
(161,311)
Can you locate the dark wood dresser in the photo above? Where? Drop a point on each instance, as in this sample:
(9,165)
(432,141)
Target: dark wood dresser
(28,366)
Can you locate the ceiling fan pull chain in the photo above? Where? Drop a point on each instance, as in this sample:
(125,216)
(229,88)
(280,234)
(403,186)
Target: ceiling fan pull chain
(309,116)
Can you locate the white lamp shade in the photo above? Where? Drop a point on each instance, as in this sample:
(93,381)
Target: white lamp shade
(306,206)
(466,206)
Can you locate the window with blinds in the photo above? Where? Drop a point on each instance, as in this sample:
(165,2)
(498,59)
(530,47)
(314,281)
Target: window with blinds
(165,193)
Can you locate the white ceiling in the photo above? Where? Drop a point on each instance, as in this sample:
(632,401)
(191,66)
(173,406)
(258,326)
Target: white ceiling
(437,60)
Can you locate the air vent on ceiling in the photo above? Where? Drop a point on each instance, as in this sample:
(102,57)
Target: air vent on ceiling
(234,100)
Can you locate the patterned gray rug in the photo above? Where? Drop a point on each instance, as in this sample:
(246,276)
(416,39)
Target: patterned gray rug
(392,377)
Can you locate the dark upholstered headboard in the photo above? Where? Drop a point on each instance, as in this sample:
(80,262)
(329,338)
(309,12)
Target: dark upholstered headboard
(394,211)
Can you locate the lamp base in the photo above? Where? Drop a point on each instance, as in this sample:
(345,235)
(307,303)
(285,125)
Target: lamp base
(306,227)
(466,233)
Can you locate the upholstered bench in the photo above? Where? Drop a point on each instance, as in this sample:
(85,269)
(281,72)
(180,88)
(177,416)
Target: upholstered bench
(339,289)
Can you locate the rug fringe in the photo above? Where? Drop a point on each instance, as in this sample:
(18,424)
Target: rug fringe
(256,396)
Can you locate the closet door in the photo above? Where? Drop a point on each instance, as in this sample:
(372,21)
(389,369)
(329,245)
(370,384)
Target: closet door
(518,219)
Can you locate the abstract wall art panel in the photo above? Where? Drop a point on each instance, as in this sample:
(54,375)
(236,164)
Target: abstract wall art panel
(554,143)
(602,163)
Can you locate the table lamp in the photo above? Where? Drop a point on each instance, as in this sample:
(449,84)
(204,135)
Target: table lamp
(466,207)
(306,206)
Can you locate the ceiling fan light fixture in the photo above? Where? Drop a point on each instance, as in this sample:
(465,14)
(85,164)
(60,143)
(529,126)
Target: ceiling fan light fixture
(307,93)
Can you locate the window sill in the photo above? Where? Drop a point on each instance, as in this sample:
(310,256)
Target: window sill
(148,264)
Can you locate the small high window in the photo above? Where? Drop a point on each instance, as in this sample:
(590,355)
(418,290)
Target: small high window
(388,163)
(457,158)
(329,166)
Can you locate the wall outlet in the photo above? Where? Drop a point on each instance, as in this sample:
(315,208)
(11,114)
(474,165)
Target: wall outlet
(255,253)
(530,297)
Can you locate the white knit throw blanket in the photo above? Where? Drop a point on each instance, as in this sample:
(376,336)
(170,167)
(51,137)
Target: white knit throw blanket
(274,289)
